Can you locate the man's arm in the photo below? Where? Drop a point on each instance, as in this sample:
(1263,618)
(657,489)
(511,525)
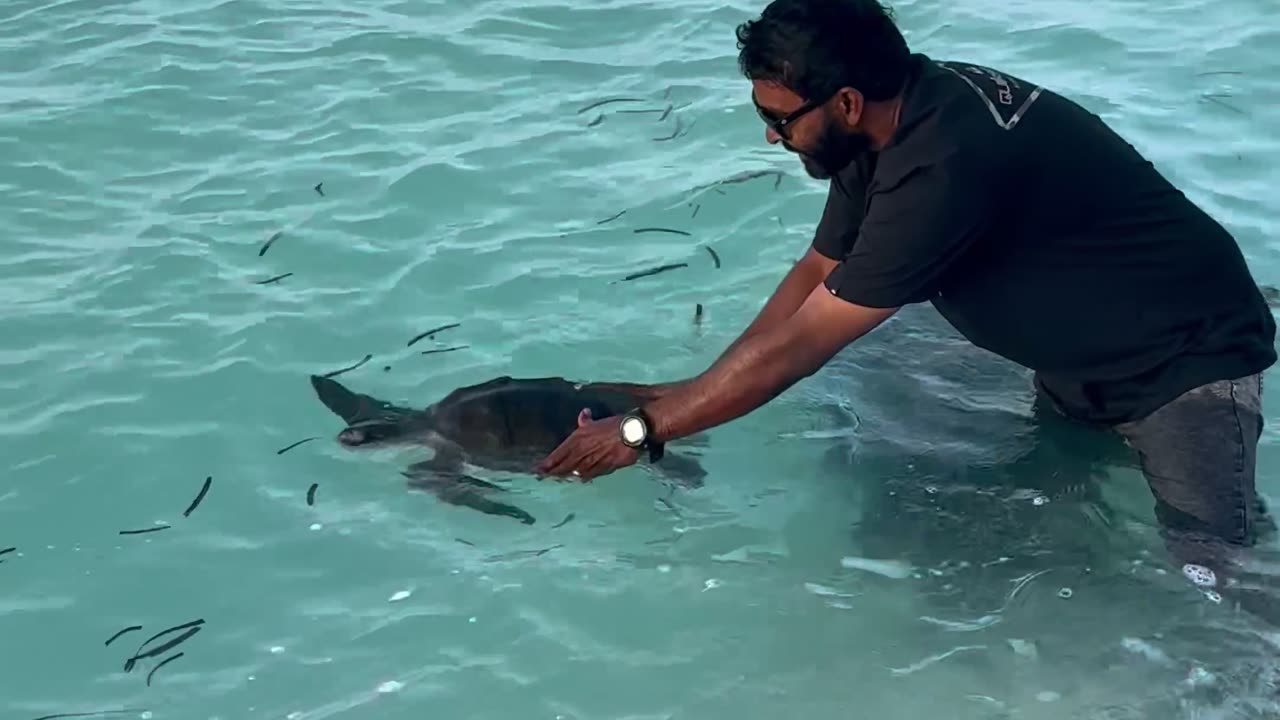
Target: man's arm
(796,286)
(750,375)
(763,365)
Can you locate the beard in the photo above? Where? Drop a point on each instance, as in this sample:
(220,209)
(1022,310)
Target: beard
(832,152)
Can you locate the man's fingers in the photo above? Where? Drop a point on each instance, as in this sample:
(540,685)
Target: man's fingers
(589,467)
(553,463)
(584,417)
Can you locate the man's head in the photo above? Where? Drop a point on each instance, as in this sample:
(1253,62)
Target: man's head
(819,69)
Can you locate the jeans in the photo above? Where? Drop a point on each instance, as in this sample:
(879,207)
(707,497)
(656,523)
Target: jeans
(1198,454)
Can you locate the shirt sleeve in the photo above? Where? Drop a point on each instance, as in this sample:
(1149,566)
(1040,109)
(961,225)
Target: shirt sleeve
(915,230)
(838,227)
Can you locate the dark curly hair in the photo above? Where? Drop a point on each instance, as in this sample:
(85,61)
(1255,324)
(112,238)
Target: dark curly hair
(816,47)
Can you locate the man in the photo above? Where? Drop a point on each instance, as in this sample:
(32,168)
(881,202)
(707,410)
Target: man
(1037,232)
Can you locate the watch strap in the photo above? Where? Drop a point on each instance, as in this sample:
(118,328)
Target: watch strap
(656,449)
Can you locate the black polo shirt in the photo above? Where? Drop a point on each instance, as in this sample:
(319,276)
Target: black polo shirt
(1044,237)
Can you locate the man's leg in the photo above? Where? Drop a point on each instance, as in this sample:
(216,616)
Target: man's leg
(1198,453)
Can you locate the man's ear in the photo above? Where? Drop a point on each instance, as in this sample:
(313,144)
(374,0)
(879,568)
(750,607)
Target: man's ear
(849,104)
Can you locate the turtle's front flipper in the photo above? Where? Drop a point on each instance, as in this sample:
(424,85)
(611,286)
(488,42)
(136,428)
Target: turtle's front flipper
(444,478)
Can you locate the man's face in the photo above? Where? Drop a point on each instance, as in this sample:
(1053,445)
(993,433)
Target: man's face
(824,140)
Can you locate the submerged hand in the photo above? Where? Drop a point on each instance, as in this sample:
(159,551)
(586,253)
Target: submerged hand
(594,449)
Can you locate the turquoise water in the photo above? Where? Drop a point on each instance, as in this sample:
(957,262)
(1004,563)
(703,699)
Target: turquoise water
(149,150)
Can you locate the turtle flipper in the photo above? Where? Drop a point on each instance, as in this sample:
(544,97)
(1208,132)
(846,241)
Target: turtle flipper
(449,484)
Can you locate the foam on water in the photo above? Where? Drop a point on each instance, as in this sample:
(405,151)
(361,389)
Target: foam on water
(887,536)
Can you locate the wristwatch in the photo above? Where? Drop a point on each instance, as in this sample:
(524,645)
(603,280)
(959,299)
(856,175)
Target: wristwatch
(635,429)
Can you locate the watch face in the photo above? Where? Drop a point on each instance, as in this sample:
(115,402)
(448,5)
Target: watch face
(633,430)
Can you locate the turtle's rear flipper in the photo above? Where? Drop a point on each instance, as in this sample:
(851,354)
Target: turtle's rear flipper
(452,486)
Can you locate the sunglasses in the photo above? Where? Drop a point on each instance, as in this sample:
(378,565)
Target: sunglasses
(779,124)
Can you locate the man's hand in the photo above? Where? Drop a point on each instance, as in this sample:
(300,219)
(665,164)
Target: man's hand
(594,449)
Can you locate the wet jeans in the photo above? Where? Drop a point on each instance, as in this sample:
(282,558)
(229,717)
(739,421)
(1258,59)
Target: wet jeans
(1198,454)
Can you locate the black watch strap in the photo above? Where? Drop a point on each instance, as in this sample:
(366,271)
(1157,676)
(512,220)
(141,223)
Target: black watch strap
(655,448)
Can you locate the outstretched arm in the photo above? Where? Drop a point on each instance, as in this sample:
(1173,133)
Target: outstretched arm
(792,291)
(751,374)
(764,365)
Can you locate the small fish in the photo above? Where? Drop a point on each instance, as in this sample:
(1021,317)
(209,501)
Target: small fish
(271,280)
(287,448)
(714,256)
(157,528)
(465,542)
(89,714)
(319,188)
(563,522)
(431,332)
(666,112)
(696,208)
(194,623)
(311,493)
(612,218)
(697,313)
(659,229)
(522,554)
(270,242)
(744,177)
(162,663)
(1217,99)
(349,368)
(607,102)
(654,271)
(199,498)
(644,112)
(129,629)
(8,550)
(445,350)
(599,119)
(191,628)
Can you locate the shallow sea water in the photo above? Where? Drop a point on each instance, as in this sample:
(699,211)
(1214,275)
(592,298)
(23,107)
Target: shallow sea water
(888,539)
